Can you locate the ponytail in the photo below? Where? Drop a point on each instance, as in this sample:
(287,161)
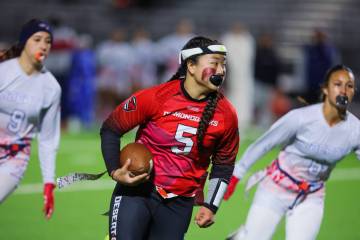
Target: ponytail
(12,52)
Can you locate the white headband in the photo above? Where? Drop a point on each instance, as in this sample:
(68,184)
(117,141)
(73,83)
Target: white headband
(186,53)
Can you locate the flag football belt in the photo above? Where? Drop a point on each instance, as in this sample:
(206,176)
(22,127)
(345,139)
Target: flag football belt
(12,149)
(302,187)
(71,178)
(77,177)
(164,194)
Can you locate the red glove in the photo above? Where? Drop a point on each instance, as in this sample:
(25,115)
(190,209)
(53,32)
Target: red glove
(48,199)
(199,194)
(231,187)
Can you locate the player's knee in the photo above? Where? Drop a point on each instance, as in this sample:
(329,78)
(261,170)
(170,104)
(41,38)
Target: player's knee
(5,192)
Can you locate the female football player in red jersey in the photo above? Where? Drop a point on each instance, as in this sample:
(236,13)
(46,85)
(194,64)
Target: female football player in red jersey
(187,123)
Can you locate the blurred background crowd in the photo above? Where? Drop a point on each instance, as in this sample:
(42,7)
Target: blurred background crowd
(103,51)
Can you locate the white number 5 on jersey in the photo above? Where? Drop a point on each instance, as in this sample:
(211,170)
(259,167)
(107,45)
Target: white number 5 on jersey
(179,136)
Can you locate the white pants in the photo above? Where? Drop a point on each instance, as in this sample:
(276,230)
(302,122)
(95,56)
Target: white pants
(271,203)
(11,173)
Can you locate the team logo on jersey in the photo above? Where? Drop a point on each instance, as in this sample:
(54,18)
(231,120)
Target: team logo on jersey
(130,104)
(195,109)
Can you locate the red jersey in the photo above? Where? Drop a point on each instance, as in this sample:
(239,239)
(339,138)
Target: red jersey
(168,119)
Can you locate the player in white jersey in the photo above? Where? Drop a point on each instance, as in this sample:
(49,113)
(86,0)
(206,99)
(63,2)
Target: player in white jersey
(314,138)
(29,105)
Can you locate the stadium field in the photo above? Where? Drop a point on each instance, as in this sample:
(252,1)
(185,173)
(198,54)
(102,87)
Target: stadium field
(79,208)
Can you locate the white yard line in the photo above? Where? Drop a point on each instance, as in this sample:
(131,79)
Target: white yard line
(341,174)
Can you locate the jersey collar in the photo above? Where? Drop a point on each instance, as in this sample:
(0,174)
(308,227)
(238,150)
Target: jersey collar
(186,94)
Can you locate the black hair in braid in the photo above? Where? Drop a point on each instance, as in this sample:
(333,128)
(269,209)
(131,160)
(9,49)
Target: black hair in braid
(12,52)
(206,117)
(209,110)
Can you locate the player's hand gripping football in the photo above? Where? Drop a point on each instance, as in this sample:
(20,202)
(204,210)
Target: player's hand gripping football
(231,187)
(48,200)
(125,177)
(204,217)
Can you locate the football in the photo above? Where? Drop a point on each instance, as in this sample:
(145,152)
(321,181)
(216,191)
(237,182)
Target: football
(141,158)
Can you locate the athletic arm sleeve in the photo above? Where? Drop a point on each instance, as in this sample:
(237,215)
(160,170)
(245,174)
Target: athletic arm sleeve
(110,147)
(136,110)
(280,132)
(49,137)
(216,190)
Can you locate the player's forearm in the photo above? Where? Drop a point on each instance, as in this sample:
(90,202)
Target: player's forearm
(110,147)
(47,164)
(47,155)
(219,179)
(256,150)
(216,190)
(282,131)
(221,171)
(49,138)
